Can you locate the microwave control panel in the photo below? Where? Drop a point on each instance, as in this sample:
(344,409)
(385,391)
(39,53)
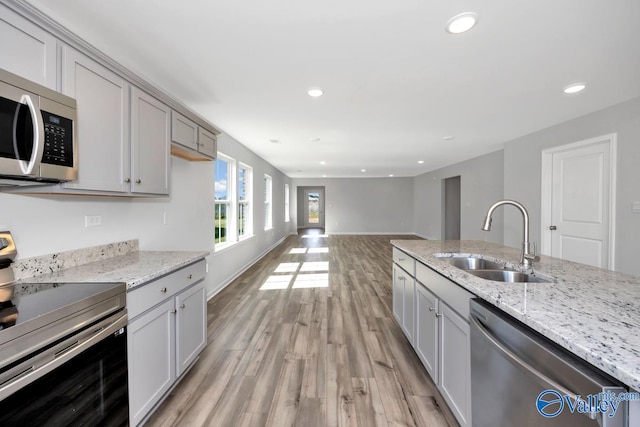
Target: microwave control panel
(58,140)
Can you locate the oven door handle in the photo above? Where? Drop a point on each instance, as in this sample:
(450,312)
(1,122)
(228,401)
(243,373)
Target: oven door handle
(513,358)
(38,137)
(26,377)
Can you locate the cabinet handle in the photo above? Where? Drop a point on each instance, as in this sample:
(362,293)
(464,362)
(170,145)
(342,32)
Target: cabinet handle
(127,180)
(438,314)
(174,311)
(138,181)
(402,259)
(190,276)
(402,278)
(432,308)
(163,290)
(182,306)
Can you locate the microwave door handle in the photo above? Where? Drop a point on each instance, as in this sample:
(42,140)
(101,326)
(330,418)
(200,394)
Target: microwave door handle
(38,130)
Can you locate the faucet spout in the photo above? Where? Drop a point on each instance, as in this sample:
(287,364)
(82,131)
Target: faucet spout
(527,258)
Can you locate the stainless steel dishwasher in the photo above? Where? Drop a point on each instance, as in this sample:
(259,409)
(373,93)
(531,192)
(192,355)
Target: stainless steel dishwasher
(520,378)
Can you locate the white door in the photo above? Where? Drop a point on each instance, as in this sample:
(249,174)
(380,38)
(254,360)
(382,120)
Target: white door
(313,208)
(580,215)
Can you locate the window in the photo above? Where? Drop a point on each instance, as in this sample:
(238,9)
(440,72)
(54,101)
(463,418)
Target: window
(224,209)
(268,206)
(233,208)
(245,180)
(286,203)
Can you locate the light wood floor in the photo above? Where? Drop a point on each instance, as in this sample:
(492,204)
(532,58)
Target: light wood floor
(306,337)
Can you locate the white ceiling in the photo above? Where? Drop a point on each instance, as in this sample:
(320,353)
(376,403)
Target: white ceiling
(395,81)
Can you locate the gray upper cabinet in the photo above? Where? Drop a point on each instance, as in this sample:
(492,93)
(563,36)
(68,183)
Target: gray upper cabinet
(103,123)
(207,143)
(150,144)
(191,141)
(26,49)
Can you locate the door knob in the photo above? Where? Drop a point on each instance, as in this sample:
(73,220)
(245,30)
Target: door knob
(553,227)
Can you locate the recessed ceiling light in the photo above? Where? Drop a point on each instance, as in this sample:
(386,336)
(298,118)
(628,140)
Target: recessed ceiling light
(315,92)
(448,137)
(314,139)
(462,22)
(324,176)
(574,88)
(323,162)
(390,175)
(363,170)
(420,162)
(274,141)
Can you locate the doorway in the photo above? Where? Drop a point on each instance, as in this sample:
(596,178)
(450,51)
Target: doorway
(311,207)
(578,201)
(451,208)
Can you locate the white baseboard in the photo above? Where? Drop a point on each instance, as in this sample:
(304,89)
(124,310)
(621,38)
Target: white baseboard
(372,233)
(234,276)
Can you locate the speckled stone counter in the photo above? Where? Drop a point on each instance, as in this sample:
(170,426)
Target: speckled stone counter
(592,312)
(117,262)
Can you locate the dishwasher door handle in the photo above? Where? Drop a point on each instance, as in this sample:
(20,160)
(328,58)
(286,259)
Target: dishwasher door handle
(510,355)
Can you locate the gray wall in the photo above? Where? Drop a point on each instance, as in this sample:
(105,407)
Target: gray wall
(363,205)
(481,183)
(522,174)
(43,225)
(230,262)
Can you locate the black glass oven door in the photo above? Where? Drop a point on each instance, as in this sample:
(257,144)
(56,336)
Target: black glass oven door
(88,390)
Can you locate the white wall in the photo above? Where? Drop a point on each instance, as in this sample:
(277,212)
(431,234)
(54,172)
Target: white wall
(522,174)
(362,205)
(46,224)
(481,182)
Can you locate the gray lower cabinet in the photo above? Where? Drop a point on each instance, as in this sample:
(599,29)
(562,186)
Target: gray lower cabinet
(427,330)
(433,313)
(26,49)
(403,297)
(167,332)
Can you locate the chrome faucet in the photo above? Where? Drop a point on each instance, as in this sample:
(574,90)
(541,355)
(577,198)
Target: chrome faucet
(527,258)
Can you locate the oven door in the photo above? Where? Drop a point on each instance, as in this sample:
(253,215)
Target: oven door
(21,132)
(84,384)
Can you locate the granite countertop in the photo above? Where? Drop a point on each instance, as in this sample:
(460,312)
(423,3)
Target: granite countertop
(592,312)
(133,268)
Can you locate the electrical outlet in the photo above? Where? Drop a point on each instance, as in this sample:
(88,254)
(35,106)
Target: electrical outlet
(92,220)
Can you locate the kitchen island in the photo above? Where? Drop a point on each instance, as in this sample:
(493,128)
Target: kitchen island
(591,312)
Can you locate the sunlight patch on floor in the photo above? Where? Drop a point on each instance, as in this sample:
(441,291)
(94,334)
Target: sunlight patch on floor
(319,250)
(320,280)
(280,281)
(287,267)
(315,266)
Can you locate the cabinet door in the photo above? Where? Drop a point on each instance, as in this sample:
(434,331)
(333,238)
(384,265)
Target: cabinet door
(408,307)
(184,131)
(207,143)
(26,49)
(397,294)
(455,364)
(427,339)
(150,144)
(191,326)
(103,123)
(151,354)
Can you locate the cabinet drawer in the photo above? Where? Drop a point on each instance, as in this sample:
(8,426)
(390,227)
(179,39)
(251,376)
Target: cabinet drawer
(449,292)
(404,261)
(148,295)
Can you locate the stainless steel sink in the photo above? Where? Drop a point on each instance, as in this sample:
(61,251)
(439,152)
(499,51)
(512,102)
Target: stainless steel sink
(508,276)
(473,263)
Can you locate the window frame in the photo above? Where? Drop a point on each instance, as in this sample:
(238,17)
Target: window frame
(287,215)
(268,202)
(230,210)
(247,201)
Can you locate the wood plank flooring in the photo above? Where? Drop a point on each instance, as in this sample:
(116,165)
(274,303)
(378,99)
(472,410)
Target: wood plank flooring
(306,337)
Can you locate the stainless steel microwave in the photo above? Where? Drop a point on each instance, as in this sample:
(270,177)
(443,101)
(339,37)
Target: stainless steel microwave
(38,143)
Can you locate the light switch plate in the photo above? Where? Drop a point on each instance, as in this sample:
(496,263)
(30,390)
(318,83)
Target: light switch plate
(635,207)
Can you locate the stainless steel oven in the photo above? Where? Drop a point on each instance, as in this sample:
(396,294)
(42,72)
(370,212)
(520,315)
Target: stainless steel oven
(38,141)
(63,354)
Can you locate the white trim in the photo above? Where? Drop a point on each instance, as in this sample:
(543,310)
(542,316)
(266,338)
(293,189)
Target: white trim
(547,190)
(227,282)
(373,233)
